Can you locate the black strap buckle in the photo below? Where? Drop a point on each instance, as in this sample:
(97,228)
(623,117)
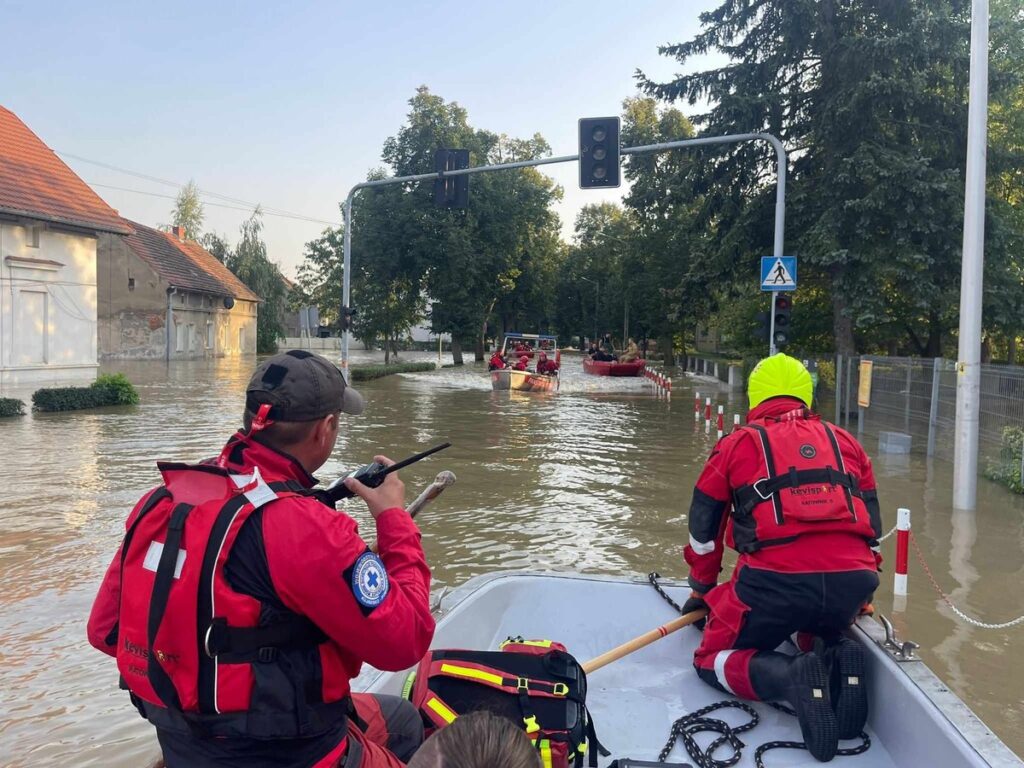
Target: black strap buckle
(266,655)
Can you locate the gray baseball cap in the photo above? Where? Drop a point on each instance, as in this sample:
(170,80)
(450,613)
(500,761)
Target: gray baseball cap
(301,386)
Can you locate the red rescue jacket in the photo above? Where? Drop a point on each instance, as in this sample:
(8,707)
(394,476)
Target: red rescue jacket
(203,659)
(789,492)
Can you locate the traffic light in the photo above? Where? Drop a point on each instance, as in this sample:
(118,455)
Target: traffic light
(763,333)
(783,305)
(347,313)
(453,191)
(599,152)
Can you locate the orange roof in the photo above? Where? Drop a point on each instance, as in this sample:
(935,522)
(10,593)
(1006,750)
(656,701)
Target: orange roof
(185,264)
(35,183)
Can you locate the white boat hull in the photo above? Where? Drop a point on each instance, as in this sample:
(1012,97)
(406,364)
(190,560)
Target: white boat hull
(915,720)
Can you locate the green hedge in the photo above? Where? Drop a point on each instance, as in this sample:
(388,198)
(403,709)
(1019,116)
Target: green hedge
(1006,469)
(108,389)
(374,371)
(10,406)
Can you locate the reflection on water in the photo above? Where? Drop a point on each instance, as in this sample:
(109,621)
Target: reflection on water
(595,478)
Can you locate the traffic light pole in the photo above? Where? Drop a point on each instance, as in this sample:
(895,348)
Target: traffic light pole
(780,201)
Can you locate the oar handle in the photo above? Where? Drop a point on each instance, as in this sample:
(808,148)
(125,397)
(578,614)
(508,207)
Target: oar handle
(444,479)
(643,640)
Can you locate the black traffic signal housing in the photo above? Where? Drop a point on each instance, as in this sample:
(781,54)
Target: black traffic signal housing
(783,308)
(763,333)
(451,191)
(347,314)
(599,152)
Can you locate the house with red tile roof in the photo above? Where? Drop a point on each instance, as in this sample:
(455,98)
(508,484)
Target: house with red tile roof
(50,221)
(162,296)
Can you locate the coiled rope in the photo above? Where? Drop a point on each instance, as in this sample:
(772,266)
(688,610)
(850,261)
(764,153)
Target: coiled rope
(688,726)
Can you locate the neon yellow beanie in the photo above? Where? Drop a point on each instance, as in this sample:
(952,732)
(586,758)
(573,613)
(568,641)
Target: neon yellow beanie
(779,375)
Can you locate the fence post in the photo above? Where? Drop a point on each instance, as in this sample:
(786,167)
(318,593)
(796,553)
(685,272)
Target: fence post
(933,406)
(906,407)
(846,393)
(839,389)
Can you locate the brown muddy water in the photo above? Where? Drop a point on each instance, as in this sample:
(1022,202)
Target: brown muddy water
(594,479)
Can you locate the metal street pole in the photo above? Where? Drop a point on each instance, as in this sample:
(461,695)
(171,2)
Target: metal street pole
(968,380)
(780,195)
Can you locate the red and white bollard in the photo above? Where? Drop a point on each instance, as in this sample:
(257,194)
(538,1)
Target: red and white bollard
(707,414)
(696,406)
(735,422)
(721,421)
(668,388)
(899,583)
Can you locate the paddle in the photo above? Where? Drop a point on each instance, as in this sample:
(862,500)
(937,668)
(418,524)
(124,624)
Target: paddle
(444,479)
(643,640)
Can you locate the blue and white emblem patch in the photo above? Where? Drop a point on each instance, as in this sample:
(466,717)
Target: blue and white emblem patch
(369,580)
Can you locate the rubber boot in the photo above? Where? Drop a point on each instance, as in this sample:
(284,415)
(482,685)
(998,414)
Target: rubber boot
(802,681)
(849,688)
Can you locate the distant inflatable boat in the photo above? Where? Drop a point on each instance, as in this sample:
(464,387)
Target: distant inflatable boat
(599,368)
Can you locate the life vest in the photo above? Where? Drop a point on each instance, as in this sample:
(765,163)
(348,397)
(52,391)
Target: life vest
(801,486)
(190,649)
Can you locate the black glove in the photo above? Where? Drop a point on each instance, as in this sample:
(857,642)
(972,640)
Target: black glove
(695,602)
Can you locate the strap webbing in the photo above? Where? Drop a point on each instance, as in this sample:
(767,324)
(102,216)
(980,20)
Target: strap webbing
(158,678)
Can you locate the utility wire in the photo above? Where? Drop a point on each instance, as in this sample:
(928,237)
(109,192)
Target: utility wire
(270,210)
(216,205)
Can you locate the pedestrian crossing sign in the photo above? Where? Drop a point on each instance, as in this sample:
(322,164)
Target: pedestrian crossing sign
(778,273)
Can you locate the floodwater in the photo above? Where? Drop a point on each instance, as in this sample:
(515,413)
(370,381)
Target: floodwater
(595,479)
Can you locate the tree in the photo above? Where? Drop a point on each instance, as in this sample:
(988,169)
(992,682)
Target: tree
(188,211)
(217,245)
(468,259)
(250,264)
(869,96)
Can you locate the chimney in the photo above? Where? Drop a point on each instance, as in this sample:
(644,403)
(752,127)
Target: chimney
(178,232)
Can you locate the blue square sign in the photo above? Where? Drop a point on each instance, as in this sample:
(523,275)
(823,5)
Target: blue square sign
(778,273)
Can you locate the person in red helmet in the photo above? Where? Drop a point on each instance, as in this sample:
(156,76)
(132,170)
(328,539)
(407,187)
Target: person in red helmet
(497,362)
(240,605)
(523,363)
(546,366)
(796,497)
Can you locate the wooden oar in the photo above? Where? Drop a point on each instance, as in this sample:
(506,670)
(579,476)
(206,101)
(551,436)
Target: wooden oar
(643,640)
(444,479)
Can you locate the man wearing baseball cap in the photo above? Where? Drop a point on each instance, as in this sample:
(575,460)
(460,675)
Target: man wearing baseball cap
(239,605)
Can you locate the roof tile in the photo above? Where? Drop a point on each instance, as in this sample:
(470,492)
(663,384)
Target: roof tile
(185,264)
(35,183)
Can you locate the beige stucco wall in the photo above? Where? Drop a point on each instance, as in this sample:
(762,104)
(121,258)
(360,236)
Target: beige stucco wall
(199,319)
(133,316)
(47,312)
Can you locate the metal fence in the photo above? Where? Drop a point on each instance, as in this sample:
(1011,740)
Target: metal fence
(917,397)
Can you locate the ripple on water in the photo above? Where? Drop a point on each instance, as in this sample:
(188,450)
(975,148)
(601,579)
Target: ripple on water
(595,478)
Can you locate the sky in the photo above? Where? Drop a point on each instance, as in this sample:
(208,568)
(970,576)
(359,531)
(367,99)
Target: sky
(288,105)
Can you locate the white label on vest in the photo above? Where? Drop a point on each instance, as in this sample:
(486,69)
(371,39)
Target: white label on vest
(156,549)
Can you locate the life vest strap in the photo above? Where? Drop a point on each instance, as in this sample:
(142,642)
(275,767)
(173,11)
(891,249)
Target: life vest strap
(749,496)
(158,677)
(233,645)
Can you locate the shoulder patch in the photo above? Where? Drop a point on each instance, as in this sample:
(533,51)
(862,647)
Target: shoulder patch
(369,580)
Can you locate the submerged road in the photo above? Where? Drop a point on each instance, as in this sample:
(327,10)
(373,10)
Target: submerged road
(596,479)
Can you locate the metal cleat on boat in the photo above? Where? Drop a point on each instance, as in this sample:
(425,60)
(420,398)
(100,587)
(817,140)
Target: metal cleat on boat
(435,604)
(899,650)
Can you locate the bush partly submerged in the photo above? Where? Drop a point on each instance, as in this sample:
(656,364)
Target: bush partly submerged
(108,389)
(374,371)
(1007,469)
(10,406)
